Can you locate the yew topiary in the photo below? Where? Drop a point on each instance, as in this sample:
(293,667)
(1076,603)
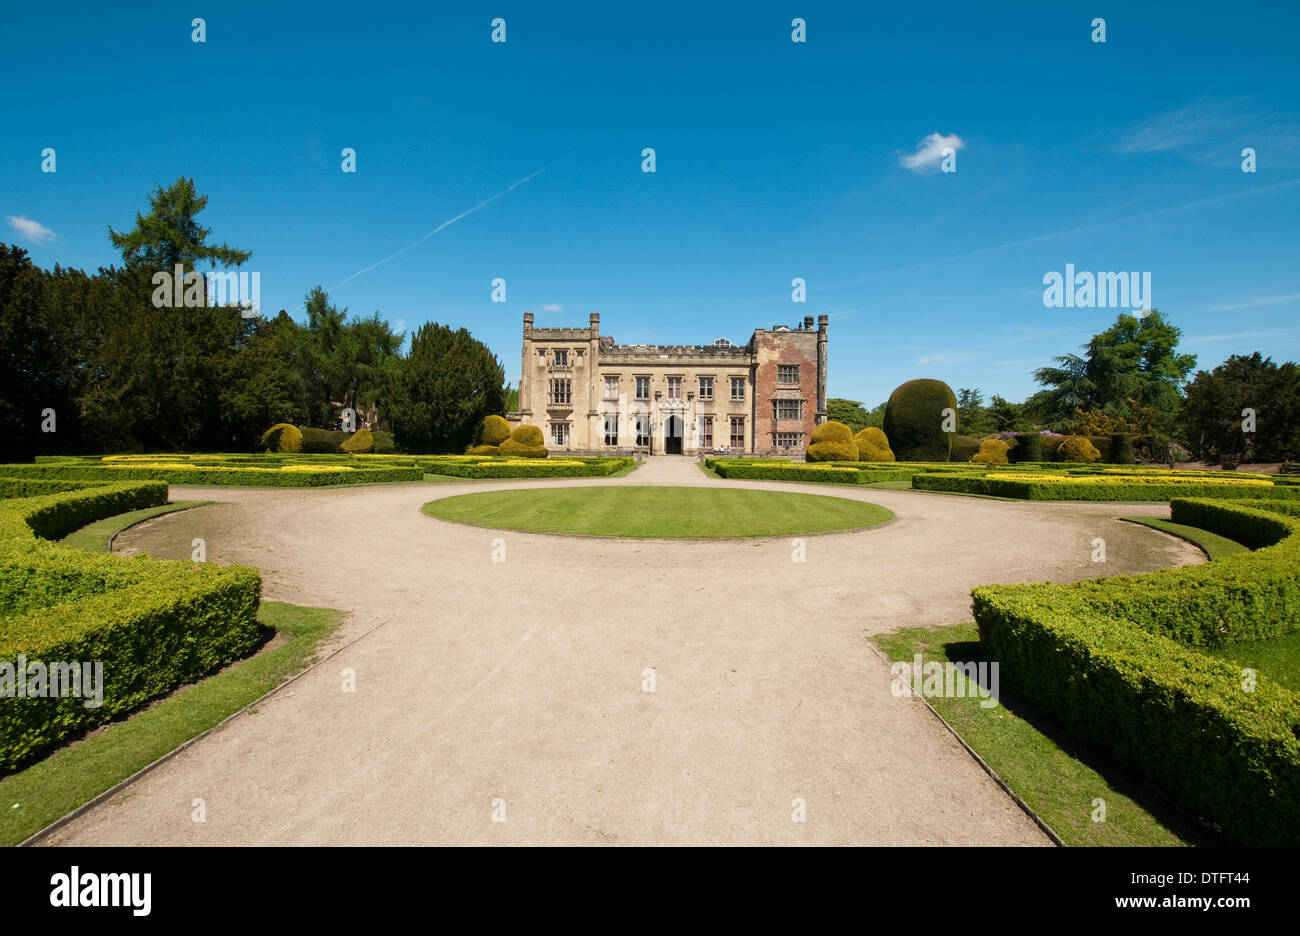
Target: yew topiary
(832,441)
(873,445)
(483,450)
(1078,449)
(494,430)
(283,437)
(915,421)
(524,442)
(361,442)
(992,452)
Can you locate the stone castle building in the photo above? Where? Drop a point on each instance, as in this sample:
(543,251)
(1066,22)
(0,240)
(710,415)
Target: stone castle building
(589,395)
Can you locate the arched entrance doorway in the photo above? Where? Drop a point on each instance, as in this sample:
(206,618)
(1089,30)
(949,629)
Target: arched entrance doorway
(673,435)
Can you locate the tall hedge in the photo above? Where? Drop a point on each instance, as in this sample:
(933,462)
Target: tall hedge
(914,421)
(1121,449)
(1029,447)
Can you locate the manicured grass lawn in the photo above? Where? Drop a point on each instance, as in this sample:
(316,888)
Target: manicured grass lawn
(1056,776)
(34,797)
(1215,546)
(95,536)
(658,512)
(1278,659)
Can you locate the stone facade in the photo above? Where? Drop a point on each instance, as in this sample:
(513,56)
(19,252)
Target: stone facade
(588,394)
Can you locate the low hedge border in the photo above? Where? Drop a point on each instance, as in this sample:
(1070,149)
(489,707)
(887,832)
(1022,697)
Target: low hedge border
(1048,490)
(1115,660)
(218,475)
(36,487)
(153,624)
(540,468)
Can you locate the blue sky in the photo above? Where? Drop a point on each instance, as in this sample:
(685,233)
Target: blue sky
(774,159)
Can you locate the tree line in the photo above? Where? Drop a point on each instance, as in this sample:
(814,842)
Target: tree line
(1132,379)
(89,363)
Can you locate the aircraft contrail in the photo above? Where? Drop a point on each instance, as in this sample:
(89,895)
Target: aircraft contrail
(448,223)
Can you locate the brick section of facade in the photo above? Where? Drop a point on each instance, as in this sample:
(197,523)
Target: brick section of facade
(655,399)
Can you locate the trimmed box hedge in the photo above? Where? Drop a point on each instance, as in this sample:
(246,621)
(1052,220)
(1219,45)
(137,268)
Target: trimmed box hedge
(1115,660)
(741,470)
(539,468)
(293,474)
(1049,489)
(153,624)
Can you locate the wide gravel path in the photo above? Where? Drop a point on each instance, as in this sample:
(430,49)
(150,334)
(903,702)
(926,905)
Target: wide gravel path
(486,689)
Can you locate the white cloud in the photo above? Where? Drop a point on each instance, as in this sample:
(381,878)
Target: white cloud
(31,230)
(552,307)
(923,361)
(930,151)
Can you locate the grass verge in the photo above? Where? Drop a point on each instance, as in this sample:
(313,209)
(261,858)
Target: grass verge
(1277,658)
(1214,545)
(38,795)
(1058,778)
(95,537)
(658,512)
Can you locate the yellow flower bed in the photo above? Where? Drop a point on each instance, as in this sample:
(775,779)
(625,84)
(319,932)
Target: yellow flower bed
(1128,479)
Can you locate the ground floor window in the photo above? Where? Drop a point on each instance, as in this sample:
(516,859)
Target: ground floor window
(737,432)
(559,433)
(642,424)
(787,439)
(706,432)
(611,430)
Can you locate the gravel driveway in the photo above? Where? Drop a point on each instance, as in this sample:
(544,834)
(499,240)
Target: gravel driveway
(515,689)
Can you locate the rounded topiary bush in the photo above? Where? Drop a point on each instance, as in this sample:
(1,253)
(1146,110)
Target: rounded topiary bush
(992,452)
(483,450)
(1029,447)
(282,437)
(320,442)
(494,430)
(361,442)
(1078,449)
(384,444)
(832,441)
(873,445)
(915,420)
(524,442)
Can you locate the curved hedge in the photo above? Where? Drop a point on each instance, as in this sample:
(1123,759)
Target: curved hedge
(1090,487)
(1114,660)
(293,474)
(914,420)
(153,624)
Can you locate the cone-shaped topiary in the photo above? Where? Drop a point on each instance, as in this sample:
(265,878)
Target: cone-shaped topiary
(832,441)
(524,442)
(1078,449)
(362,441)
(494,430)
(915,420)
(992,452)
(873,445)
(282,437)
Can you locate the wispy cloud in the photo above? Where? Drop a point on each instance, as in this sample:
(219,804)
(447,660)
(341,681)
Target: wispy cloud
(1253,303)
(930,151)
(1215,132)
(552,307)
(30,230)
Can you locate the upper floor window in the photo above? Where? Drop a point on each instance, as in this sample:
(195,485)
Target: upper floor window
(706,388)
(787,373)
(674,388)
(643,388)
(611,388)
(787,409)
(561,358)
(561,391)
(737,388)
